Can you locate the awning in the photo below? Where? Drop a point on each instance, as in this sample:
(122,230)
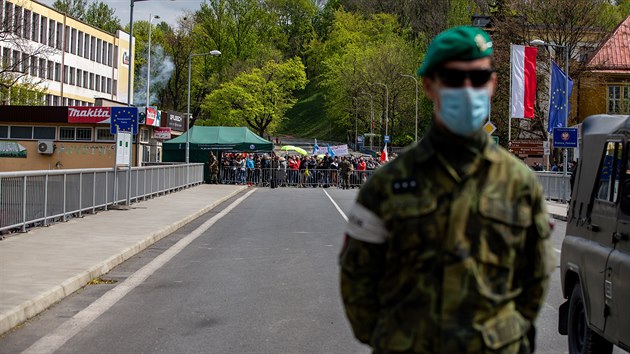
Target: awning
(12,149)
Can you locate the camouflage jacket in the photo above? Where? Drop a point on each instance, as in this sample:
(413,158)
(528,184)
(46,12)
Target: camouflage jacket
(447,250)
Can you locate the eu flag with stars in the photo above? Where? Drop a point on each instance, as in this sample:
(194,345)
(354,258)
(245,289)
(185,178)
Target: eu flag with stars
(557,107)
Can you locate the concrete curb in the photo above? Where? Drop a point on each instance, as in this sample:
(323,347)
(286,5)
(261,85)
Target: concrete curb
(41,302)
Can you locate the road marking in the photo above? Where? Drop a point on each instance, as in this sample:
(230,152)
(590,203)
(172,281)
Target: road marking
(54,340)
(336,206)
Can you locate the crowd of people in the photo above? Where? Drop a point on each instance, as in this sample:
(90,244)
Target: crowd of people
(291,170)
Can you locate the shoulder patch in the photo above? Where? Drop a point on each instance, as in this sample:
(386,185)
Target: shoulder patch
(401,186)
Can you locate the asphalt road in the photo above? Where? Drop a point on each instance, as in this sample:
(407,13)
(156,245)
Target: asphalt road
(262,279)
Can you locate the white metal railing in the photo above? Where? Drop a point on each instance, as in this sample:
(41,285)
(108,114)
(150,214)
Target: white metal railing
(556,185)
(32,198)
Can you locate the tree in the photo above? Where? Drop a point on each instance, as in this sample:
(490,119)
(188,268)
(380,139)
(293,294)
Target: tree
(258,98)
(74,8)
(178,45)
(100,15)
(295,21)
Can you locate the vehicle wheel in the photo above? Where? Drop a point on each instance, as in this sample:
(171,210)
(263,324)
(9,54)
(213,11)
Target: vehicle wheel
(582,340)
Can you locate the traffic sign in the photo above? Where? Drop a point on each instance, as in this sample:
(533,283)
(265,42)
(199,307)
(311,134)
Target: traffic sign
(489,127)
(386,139)
(565,137)
(124,119)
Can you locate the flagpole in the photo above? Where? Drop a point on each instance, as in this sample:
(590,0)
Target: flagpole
(510,109)
(566,105)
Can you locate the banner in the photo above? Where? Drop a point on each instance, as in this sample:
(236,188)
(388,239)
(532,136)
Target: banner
(558,108)
(338,150)
(523,95)
(85,114)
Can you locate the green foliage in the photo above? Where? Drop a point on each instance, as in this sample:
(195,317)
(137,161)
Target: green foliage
(74,8)
(26,93)
(258,98)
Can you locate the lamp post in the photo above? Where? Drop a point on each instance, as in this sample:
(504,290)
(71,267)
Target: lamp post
(151,18)
(416,81)
(538,42)
(371,120)
(386,106)
(213,53)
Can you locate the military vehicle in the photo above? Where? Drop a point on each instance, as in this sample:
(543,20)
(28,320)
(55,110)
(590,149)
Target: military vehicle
(595,258)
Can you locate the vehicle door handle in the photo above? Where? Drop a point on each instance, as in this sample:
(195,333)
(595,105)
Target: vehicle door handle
(593,227)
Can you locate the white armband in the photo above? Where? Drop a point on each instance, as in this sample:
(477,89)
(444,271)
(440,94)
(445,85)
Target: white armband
(364,225)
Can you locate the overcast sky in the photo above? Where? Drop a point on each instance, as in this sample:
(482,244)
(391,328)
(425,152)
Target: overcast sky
(168,11)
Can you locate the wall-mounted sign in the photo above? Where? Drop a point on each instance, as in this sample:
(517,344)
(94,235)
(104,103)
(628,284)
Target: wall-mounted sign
(124,119)
(125,58)
(162,133)
(84,114)
(152,117)
(175,120)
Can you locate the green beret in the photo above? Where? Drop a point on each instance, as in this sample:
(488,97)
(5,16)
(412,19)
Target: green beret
(458,43)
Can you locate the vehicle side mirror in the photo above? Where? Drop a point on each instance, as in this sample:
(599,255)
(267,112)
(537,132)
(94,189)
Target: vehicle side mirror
(625,197)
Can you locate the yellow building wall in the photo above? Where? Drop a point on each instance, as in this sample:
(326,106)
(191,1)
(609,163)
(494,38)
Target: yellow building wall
(593,93)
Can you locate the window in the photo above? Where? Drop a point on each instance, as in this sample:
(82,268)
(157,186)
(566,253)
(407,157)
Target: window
(115,56)
(80,44)
(109,54)
(99,46)
(59,41)
(47,133)
(17,20)
(16,61)
(75,134)
(97,86)
(85,79)
(109,85)
(91,81)
(66,46)
(115,87)
(8,15)
(4,129)
(144,135)
(34,62)
(55,101)
(86,48)
(35,28)
(58,72)
(66,74)
(103,134)
(26,33)
(51,33)
(48,100)
(72,76)
(43,29)
(25,63)
(42,69)
(50,74)
(84,134)
(73,41)
(79,77)
(609,173)
(93,49)
(66,133)
(619,99)
(6,57)
(21,132)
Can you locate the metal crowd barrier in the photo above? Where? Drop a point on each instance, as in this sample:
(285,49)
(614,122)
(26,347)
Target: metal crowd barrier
(556,185)
(291,178)
(34,198)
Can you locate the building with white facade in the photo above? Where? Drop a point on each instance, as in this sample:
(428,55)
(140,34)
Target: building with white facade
(74,63)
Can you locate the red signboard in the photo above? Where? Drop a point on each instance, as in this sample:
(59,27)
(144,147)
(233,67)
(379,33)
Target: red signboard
(151,117)
(162,133)
(84,114)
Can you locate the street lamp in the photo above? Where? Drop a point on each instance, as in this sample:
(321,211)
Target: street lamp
(416,80)
(539,42)
(151,18)
(213,53)
(386,106)
(371,120)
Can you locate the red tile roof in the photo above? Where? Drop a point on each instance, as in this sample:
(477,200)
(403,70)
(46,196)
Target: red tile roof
(614,53)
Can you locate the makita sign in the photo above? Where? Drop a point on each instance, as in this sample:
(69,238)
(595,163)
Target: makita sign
(83,114)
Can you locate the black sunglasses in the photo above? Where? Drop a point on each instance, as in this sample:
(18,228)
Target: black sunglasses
(456,78)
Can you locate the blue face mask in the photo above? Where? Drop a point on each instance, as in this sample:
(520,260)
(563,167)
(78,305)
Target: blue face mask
(464,109)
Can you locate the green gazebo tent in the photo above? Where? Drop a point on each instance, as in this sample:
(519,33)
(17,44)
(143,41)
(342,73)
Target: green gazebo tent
(203,139)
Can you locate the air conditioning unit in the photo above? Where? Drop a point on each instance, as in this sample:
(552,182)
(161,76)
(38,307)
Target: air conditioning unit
(45,147)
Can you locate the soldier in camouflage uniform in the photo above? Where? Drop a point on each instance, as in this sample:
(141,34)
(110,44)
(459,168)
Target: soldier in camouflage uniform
(213,166)
(447,248)
(345,168)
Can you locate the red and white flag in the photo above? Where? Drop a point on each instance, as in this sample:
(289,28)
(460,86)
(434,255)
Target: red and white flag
(523,81)
(384,157)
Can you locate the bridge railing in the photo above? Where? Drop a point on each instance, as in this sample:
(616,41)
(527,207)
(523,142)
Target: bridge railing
(34,198)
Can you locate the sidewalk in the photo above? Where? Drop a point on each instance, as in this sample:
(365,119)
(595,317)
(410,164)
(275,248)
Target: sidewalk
(46,264)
